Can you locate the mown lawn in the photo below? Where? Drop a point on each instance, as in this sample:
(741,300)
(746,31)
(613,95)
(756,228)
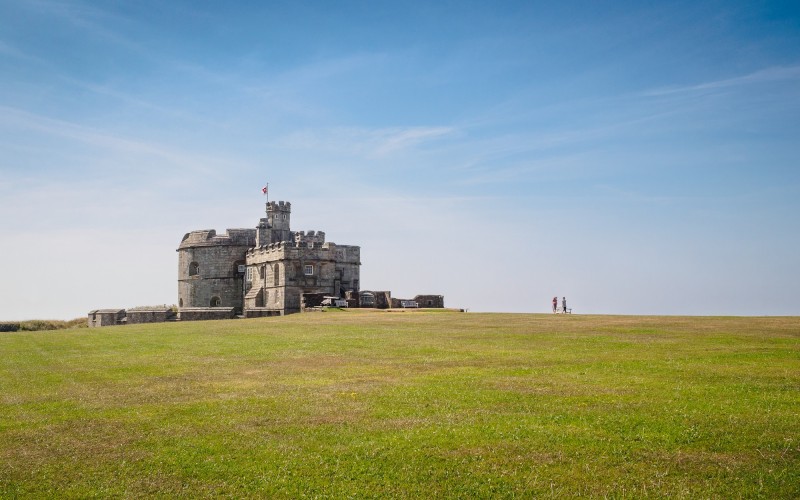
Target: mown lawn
(405,404)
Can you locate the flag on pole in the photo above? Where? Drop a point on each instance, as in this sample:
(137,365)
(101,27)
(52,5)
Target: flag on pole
(264,189)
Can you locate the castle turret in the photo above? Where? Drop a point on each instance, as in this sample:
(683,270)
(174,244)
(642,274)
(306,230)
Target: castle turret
(275,227)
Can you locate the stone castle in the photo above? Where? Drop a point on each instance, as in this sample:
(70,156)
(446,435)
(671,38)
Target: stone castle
(267,271)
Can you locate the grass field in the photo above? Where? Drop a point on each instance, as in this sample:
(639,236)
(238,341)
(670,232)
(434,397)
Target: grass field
(406,404)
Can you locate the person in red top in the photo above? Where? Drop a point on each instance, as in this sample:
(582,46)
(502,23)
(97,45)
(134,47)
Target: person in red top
(555,304)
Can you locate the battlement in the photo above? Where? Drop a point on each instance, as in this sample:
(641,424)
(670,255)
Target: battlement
(270,247)
(209,237)
(279,206)
(303,239)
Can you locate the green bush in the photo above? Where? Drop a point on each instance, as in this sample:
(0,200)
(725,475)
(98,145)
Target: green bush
(36,325)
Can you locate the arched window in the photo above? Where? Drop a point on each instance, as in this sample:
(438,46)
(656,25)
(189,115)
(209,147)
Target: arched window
(194,269)
(180,303)
(214,301)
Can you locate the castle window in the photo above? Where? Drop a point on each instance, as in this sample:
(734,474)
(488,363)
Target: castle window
(194,269)
(310,244)
(180,303)
(309,270)
(215,301)
(275,275)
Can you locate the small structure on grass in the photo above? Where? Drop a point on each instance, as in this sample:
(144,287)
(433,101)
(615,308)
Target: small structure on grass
(106,317)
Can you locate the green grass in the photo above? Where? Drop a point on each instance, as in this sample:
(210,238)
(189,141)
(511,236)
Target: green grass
(415,404)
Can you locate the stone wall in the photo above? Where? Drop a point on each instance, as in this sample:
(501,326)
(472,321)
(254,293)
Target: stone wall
(261,312)
(106,317)
(136,316)
(383,300)
(281,273)
(208,273)
(206,313)
(436,301)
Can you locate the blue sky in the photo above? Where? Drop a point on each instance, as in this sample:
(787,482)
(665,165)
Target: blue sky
(635,158)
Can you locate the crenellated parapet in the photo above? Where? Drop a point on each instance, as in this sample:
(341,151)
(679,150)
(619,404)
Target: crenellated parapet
(284,250)
(310,239)
(209,238)
(269,249)
(279,206)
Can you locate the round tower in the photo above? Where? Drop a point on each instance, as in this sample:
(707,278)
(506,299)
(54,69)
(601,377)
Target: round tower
(211,268)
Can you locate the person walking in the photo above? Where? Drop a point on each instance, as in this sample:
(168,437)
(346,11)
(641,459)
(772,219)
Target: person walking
(555,305)
(564,305)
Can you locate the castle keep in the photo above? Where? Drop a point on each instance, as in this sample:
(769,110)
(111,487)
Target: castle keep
(264,271)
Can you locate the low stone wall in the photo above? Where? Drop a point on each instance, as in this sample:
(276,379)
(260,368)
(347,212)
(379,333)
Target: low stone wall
(106,317)
(206,313)
(136,316)
(436,301)
(383,299)
(261,312)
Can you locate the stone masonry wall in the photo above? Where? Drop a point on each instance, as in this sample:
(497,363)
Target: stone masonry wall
(206,313)
(334,268)
(208,267)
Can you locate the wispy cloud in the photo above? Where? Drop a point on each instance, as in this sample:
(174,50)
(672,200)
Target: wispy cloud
(373,143)
(9,50)
(775,73)
(90,20)
(130,99)
(21,119)
(503,158)
(397,139)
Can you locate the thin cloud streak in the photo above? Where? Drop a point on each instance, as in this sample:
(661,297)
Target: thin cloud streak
(81,16)
(775,73)
(11,51)
(18,118)
(371,143)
